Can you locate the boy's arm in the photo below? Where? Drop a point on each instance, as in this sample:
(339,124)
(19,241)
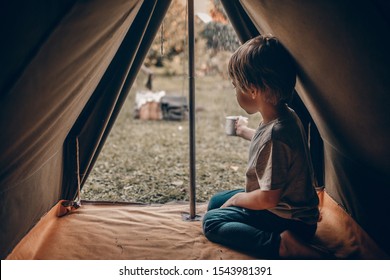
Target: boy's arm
(255,200)
(245,132)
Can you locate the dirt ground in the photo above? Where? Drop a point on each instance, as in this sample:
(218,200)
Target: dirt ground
(148,161)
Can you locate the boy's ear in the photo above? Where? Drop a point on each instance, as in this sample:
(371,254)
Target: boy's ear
(254,91)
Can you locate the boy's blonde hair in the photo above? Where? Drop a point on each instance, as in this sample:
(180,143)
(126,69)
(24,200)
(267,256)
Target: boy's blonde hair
(263,63)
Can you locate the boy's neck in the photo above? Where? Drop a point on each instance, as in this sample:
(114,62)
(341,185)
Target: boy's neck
(271,112)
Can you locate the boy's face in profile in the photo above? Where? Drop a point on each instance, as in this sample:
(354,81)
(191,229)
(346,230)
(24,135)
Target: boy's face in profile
(245,100)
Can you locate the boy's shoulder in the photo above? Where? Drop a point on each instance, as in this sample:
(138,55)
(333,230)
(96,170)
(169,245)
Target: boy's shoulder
(286,128)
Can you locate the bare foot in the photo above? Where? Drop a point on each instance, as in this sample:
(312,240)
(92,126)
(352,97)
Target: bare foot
(291,247)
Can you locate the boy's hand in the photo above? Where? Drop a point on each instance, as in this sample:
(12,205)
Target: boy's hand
(230,201)
(241,124)
(242,128)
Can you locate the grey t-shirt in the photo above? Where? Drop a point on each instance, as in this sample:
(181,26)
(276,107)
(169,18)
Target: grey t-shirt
(279,159)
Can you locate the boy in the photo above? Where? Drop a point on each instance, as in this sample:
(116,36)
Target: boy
(279,206)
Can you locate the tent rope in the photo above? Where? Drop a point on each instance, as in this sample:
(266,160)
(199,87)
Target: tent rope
(162,38)
(78,198)
(67,206)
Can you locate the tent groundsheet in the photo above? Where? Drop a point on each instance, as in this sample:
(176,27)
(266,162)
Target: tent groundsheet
(99,231)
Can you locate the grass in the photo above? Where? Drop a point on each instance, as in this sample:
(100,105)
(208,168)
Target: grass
(148,161)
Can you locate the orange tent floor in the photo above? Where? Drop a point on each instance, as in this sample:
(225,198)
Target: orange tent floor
(113,231)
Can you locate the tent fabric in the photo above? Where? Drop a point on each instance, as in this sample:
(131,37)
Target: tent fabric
(24,27)
(115,231)
(79,55)
(341,49)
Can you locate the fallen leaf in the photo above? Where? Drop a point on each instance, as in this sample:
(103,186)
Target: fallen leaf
(235,168)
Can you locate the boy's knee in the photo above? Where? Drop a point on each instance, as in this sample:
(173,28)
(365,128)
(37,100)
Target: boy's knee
(210,221)
(205,221)
(213,203)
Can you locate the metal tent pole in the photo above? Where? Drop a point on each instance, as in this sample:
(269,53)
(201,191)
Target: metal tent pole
(191,73)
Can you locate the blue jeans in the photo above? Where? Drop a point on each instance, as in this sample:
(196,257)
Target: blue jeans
(255,232)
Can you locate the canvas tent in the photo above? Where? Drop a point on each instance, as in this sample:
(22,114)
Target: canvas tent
(67,66)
